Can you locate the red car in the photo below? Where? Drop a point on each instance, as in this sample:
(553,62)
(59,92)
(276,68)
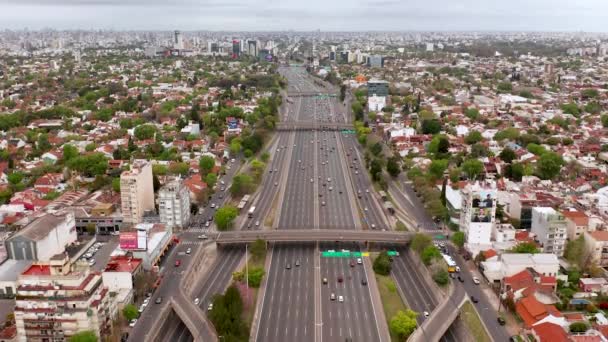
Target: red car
(352,263)
(178,262)
(340,279)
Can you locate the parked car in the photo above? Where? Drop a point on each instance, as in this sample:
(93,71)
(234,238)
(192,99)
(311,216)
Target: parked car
(159,300)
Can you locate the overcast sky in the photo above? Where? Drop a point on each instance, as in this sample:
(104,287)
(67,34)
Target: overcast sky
(336,15)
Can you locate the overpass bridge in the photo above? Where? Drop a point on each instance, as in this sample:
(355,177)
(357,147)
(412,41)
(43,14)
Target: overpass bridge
(441,318)
(313,126)
(316,235)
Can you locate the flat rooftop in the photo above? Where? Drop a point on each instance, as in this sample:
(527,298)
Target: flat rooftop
(38,270)
(40,227)
(11,269)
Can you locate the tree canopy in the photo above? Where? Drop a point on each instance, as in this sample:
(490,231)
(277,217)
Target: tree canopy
(472,168)
(382,264)
(458,239)
(403,323)
(224,217)
(84,336)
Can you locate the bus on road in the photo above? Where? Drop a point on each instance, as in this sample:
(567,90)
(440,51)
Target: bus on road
(451,263)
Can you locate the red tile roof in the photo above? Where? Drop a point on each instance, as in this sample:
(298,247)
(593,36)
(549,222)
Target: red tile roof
(531,310)
(123,264)
(38,270)
(489,253)
(600,235)
(549,332)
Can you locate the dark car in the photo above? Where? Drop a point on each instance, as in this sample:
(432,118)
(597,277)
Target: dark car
(340,279)
(363,282)
(474,300)
(501,321)
(124,337)
(460,279)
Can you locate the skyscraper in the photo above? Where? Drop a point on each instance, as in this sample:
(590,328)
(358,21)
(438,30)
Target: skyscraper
(252,48)
(178,42)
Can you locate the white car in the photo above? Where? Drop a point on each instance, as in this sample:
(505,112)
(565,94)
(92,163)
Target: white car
(196,301)
(146,301)
(210,307)
(132,323)
(212,205)
(340,299)
(91,262)
(202,237)
(426,314)
(359,261)
(476,280)
(189,250)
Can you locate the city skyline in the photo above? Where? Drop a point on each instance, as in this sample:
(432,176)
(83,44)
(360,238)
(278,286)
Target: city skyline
(383,15)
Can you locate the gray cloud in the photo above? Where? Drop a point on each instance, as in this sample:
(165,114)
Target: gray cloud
(539,15)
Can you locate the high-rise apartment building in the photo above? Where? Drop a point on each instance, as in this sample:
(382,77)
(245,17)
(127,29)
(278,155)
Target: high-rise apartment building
(375,61)
(56,300)
(178,40)
(174,204)
(252,48)
(550,228)
(136,191)
(478,211)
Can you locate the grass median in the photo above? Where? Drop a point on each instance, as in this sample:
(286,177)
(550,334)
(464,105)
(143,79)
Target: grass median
(473,322)
(391,301)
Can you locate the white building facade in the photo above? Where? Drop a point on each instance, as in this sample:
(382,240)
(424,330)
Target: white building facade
(550,228)
(174,204)
(136,191)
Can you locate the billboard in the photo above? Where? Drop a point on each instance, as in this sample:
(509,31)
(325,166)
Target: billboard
(483,204)
(232,123)
(133,240)
(128,240)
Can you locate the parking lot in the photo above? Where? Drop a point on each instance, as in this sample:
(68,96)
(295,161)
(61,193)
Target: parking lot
(98,255)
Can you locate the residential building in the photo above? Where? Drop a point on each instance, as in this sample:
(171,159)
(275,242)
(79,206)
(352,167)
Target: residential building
(56,301)
(477,213)
(136,191)
(174,204)
(549,226)
(377,87)
(43,237)
(509,264)
(376,103)
(593,284)
(118,277)
(596,244)
(550,332)
(577,222)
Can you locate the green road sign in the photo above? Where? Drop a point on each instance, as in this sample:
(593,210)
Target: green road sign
(392,253)
(439,237)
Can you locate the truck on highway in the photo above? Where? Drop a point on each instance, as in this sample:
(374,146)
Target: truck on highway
(251,212)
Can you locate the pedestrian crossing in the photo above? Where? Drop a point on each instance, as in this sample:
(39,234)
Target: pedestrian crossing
(192,242)
(198,230)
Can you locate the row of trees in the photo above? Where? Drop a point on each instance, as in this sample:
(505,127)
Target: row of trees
(226,316)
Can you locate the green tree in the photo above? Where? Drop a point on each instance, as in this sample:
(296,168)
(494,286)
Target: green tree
(504,87)
(431,126)
(89,165)
(441,277)
(473,137)
(241,184)
(206,164)
(382,264)
(84,336)
(116,184)
(507,155)
(472,168)
(130,312)
(376,149)
(257,169)
(43,143)
(549,165)
(438,167)
(420,242)
(179,169)
(255,276)
(429,254)
(439,145)
(536,149)
(375,169)
(525,247)
(472,113)
(144,132)
(69,152)
(235,147)
(590,93)
(258,249)
(571,108)
(403,323)
(210,180)
(265,157)
(605,120)
(575,251)
(392,167)
(510,133)
(15,178)
(458,239)
(224,217)
(479,150)
(578,327)
(90,147)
